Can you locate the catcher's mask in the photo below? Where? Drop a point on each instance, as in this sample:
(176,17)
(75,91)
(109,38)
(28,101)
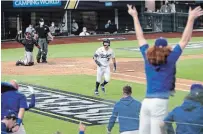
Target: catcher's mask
(106,42)
(28,36)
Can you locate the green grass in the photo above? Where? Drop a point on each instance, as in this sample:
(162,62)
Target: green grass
(82,84)
(88,49)
(190,69)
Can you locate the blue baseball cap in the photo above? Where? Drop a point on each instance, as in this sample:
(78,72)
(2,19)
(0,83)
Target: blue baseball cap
(195,88)
(161,42)
(10,114)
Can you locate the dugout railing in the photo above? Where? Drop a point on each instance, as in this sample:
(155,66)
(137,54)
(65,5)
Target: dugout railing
(151,23)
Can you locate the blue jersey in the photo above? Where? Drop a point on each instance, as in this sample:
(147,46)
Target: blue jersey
(188,118)
(3,128)
(12,100)
(126,107)
(160,79)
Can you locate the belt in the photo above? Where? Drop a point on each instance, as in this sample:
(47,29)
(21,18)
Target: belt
(165,98)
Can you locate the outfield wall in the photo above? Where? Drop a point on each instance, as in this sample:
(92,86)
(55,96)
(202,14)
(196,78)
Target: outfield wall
(98,38)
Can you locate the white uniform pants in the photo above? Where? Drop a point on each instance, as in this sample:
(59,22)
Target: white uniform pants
(103,71)
(153,112)
(21,130)
(28,58)
(131,132)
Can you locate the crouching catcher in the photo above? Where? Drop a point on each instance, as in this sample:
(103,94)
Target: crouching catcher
(28,42)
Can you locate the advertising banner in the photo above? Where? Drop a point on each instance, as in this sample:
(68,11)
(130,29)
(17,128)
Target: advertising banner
(36,3)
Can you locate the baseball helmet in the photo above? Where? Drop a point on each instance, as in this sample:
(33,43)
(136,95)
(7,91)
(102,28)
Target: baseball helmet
(106,41)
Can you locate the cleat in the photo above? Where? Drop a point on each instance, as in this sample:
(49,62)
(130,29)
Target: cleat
(103,89)
(44,61)
(30,63)
(38,60)
(96,93)
(19,63)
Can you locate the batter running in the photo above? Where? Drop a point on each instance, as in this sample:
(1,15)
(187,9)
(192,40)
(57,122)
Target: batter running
(102,58)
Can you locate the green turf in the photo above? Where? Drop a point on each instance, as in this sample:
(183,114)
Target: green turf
(82,84)
(88,49)
(190,69)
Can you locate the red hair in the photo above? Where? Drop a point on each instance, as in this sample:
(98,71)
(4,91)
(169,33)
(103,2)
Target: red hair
(158,55)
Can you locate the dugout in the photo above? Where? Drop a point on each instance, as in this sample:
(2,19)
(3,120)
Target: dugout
(18,14)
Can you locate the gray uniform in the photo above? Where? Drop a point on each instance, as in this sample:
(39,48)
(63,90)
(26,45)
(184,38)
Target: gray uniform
(43,42)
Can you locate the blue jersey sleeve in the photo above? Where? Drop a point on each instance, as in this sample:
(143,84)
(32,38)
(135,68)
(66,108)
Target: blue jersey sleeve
(175,54)
(143,50)
(113,118)
(23,102)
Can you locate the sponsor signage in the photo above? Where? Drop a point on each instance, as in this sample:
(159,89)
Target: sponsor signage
(36,3)
(69,106)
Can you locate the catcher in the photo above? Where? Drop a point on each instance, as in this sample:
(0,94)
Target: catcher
(28,43)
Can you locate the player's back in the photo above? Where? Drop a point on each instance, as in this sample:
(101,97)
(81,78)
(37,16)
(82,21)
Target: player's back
(12,100)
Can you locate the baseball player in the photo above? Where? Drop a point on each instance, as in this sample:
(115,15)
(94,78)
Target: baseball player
(28,43)
(160,61)
(43,33)
(126,107)
(13,100)
(102,58)
(188,117)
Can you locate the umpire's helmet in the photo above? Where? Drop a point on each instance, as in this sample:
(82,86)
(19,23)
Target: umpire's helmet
(106,41)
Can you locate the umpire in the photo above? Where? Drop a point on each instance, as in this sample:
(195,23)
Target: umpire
(43,32)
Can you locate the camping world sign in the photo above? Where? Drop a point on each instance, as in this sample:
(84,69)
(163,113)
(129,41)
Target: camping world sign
(36,3)
(69,106)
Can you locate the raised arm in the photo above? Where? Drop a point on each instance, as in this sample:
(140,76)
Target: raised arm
(193,14)
(18,39)
(138,29)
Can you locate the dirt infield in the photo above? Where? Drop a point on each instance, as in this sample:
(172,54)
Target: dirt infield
(129,69)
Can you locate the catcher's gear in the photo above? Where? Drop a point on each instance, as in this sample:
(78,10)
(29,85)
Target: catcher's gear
(106,41)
